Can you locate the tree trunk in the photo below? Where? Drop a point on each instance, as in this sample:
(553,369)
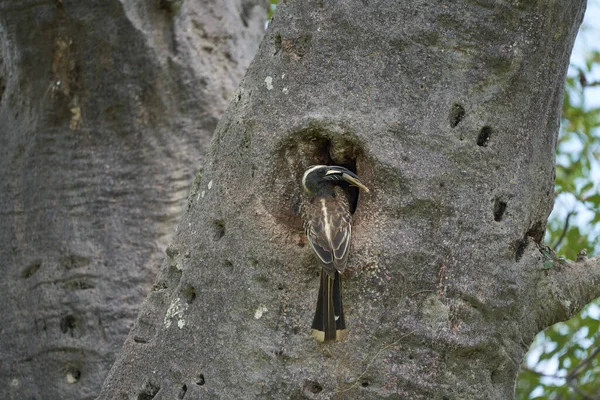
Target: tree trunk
(449,112)
(107,109)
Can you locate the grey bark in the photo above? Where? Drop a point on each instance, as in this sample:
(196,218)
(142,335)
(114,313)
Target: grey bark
(449,112)
(106,111)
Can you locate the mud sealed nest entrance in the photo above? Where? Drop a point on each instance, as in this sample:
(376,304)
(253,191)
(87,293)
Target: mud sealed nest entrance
(300,150)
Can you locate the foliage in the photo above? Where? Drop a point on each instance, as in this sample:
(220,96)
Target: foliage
(577,148)
(564,360)
(272,7)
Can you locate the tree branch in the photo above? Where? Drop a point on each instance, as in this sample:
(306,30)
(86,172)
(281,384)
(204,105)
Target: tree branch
(570,286)
(571,377)
(579,368)
(583,394)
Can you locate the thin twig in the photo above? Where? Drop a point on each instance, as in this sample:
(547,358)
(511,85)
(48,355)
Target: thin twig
(373,360)
(579,368)
(583,394)
(564,231)
(572,375)
(533,371)
(422,291)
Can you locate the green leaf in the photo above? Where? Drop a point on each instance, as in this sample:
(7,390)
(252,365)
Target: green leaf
(594,199)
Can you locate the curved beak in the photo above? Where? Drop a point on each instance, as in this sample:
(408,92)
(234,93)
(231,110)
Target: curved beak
(347,175)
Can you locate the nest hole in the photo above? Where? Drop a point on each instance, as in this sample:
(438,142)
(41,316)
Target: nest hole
(68,324)
(520,247)
(499,209)
(219,229)
(457,113)
(319,143)
(182,392)
(189,294)
(484,136)
(31,269)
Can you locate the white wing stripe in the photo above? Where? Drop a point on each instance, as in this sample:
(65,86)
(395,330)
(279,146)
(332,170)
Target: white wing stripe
(327,224)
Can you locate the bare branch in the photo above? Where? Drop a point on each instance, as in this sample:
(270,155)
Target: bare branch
(570,286)
(579,368)
(583,394)
(564,231)
(571,377)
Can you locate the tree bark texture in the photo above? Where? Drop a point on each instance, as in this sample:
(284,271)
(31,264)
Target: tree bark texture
(449,112)
(106,111)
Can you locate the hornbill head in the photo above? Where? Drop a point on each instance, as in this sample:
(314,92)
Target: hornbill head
(319,178)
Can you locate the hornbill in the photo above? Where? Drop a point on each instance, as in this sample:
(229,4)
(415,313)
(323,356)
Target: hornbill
(327,222)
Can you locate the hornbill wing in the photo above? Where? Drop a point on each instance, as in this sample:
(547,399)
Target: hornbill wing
(341,230)
(315,232)
(328,230)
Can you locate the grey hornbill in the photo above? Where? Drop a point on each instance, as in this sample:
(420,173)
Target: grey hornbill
(327,222)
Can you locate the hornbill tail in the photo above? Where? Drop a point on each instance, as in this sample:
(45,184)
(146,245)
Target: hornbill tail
(329,324)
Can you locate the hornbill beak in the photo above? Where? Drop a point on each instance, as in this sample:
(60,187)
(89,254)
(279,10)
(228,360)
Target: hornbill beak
(337,173)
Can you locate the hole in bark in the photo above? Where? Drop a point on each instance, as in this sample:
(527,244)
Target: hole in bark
(296,330)
(138,339)
(189,293)
(499,209)
(200,380)
(280,287)
(73,375)
(182,392)
(277,42)
(148,392)
(219,226)
(31,269)
(68,324)
(520,246)
(318,143)
(159,286)
(457,113)
(365,383)
(537,231)
(172,251)
(484,136)
(314,387)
